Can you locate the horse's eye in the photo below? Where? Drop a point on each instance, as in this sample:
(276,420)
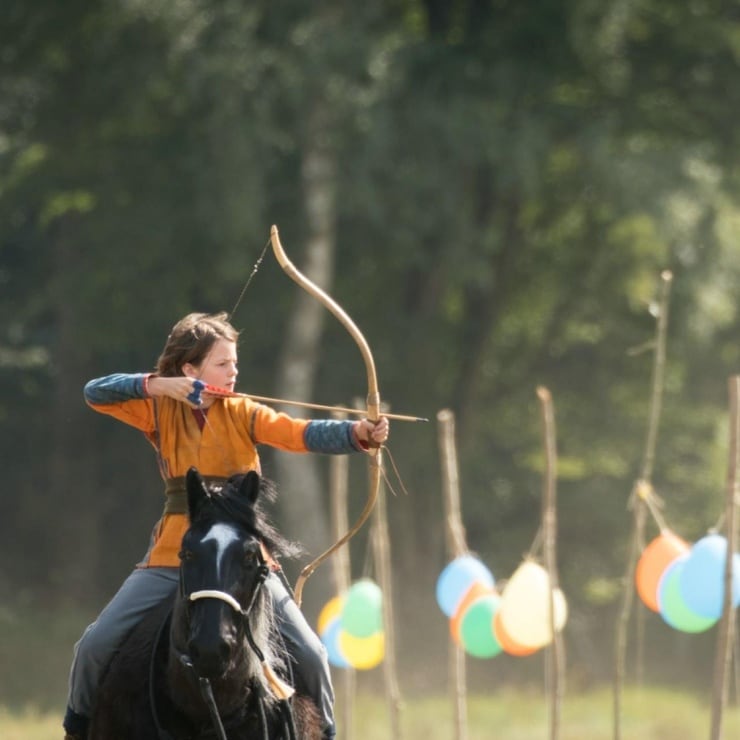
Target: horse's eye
(250,556)
(185,555)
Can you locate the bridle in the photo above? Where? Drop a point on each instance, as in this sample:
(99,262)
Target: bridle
(282,690)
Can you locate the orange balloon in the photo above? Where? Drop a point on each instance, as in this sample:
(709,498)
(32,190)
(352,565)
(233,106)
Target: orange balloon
(507,644)
(655,558)
(474,592)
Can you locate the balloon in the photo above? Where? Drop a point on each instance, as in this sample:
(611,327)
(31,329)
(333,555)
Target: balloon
(673,608)
(525,606)
(331,610)
(509,646)
(702,577)
(655,558)
(363,653)
(474,592)
(362,613)
(457,578)
(330,637)
(476,628)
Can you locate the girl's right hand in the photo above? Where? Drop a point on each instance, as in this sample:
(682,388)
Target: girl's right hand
(180,388)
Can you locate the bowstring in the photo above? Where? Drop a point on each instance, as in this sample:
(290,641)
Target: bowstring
(255,270)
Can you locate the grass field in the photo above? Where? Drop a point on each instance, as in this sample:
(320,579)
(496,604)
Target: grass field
(649,714)
(36,649)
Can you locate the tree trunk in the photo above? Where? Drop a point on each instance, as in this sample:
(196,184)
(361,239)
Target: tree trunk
(72,514)
(304,510)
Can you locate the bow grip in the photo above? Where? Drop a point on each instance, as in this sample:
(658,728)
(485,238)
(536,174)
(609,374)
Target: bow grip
(194,395)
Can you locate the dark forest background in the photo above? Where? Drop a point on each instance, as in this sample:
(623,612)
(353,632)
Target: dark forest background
(491,188)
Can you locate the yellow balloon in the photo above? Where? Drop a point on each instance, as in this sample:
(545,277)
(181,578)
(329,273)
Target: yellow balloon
(525,606)
(331,610)
(362,653)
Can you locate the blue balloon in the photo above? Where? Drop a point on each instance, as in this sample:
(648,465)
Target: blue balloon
(702,579)
(457,578)
(330,638)
(672,607)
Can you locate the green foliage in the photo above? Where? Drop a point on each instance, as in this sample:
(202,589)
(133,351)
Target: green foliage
(510,185)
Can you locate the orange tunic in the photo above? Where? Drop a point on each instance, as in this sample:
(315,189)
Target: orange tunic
(226,445)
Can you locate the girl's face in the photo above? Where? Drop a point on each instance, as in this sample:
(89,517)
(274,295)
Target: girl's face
(219,367)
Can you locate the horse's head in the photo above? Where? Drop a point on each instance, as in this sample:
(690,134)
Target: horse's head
(221,572)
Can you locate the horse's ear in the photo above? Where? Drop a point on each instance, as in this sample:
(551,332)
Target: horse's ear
(197,492)
(250,486)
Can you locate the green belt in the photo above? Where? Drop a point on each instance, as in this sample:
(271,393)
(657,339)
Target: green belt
(175,490)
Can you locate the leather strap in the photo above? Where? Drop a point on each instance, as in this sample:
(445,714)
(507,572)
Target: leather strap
(175,490)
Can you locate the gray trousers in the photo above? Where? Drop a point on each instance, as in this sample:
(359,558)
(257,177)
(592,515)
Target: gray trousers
(145,588)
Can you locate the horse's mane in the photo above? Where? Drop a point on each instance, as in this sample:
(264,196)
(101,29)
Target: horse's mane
(226,503)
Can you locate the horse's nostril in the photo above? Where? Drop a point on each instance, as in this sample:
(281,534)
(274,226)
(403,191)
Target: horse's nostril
(212,659)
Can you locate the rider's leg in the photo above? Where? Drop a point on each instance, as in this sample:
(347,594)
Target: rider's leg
(308,654)
(142,590)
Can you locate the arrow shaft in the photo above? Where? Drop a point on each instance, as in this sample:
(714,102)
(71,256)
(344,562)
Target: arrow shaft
(213,390)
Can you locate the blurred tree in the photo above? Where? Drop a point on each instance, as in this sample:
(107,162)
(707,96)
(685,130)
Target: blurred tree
(493,190)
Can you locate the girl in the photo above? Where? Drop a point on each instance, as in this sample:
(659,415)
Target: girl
(219,436)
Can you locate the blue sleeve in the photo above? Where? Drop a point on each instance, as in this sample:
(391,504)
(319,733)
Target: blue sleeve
(115,388)
(331,437)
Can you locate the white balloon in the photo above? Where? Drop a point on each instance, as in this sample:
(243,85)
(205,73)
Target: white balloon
(525,606)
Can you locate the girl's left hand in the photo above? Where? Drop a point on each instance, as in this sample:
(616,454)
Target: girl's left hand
(373,431)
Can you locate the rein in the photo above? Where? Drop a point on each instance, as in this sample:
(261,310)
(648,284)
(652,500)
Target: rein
(282,690)
(205,689)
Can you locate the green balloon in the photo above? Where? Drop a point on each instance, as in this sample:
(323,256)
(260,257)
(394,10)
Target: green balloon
(672,606)
(362,614)
(476,627)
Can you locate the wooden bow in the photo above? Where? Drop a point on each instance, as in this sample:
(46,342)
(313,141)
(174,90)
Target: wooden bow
(373,401)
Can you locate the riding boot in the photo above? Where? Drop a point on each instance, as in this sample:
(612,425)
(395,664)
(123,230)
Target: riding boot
(75,725)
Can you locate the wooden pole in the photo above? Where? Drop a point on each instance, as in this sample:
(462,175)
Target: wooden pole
(455,541)
(382,555)
(726,633)
(638,502)
(549,526)
(342,568)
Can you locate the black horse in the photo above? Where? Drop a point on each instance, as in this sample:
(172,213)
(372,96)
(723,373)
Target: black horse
(207,664)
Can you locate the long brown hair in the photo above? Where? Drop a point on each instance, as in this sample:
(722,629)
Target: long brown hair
(191,340)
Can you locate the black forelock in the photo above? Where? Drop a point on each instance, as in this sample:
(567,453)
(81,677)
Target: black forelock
(227,504)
